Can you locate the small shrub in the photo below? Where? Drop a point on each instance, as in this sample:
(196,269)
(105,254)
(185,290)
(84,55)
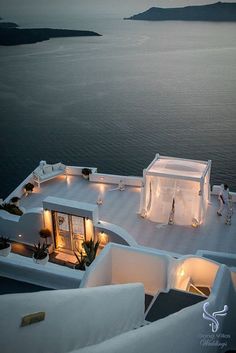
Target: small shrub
(15,199)
(45,233)
(29,187)
(11,208)
(86,171)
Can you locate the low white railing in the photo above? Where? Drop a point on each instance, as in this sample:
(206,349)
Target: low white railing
(116,233)
(116,179)
(216,190)
(74,170)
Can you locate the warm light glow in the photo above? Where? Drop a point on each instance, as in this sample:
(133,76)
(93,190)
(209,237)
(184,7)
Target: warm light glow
(47,219)
(89,228)
(136,189)
(195,223)
(181,272)
(103,238)
(102,189)
(60,242)
(158,192)
(68,179)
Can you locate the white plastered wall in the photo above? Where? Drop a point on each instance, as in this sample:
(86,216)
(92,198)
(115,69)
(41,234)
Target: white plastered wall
(119,264)
(197,270)
(73,318)
(181,332)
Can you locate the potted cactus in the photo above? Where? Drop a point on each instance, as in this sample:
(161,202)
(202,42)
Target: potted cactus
(5,246)
(86,257)
(86,172)
(90,248)
(40,253)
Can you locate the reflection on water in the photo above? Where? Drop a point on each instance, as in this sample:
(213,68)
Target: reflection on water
(115,101)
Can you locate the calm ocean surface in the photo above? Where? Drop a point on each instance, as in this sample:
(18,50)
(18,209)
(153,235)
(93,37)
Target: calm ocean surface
(113,102)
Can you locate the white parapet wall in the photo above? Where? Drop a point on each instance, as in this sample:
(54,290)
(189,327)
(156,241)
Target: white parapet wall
(193,269)
(157,271)
(228,259)
(217,188)
(115,233)
(119,264)
(185,331)
(52,276)
(74,170)
(74,318)
(116,179)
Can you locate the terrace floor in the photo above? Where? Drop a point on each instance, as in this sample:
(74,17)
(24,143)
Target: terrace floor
(27,251)
(121,208)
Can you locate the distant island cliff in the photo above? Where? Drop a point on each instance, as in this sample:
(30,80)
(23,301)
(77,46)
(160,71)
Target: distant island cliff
(10,34)
(220,11)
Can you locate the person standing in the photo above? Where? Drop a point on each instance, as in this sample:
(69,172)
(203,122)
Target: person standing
(224,199)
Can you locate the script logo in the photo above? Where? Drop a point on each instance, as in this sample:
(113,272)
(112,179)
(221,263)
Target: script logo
(212,317)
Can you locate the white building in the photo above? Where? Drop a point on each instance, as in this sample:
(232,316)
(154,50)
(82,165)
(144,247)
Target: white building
(165,282)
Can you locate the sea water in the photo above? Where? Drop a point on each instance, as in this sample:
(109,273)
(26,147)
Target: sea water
(115,101)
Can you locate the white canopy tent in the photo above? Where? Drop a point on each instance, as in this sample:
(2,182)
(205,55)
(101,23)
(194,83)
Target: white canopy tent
(176,191)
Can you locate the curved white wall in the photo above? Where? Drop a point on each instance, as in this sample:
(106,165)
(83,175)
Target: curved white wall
(28,226)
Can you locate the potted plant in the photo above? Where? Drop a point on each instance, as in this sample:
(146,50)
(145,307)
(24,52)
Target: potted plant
(40,253)
(90,248)
(5,246)
(81,260)
(86,172)
(29,187)
(15,201)
(11,208)
(86,257)
(46,234)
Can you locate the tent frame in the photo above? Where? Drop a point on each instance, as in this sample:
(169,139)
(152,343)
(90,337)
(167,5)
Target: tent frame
(200,180)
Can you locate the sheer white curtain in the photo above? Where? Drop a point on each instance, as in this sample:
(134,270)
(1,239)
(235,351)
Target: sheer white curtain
(163,190)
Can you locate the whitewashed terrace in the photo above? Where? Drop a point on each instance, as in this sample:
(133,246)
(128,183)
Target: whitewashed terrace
(121,208)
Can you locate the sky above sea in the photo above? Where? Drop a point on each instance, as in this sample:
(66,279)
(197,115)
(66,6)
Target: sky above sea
(89,8)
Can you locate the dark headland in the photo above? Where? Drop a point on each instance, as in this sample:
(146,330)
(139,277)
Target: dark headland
(10,34)
(220,11)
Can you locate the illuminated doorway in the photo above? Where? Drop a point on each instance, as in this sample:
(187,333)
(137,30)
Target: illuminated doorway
(69,232)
